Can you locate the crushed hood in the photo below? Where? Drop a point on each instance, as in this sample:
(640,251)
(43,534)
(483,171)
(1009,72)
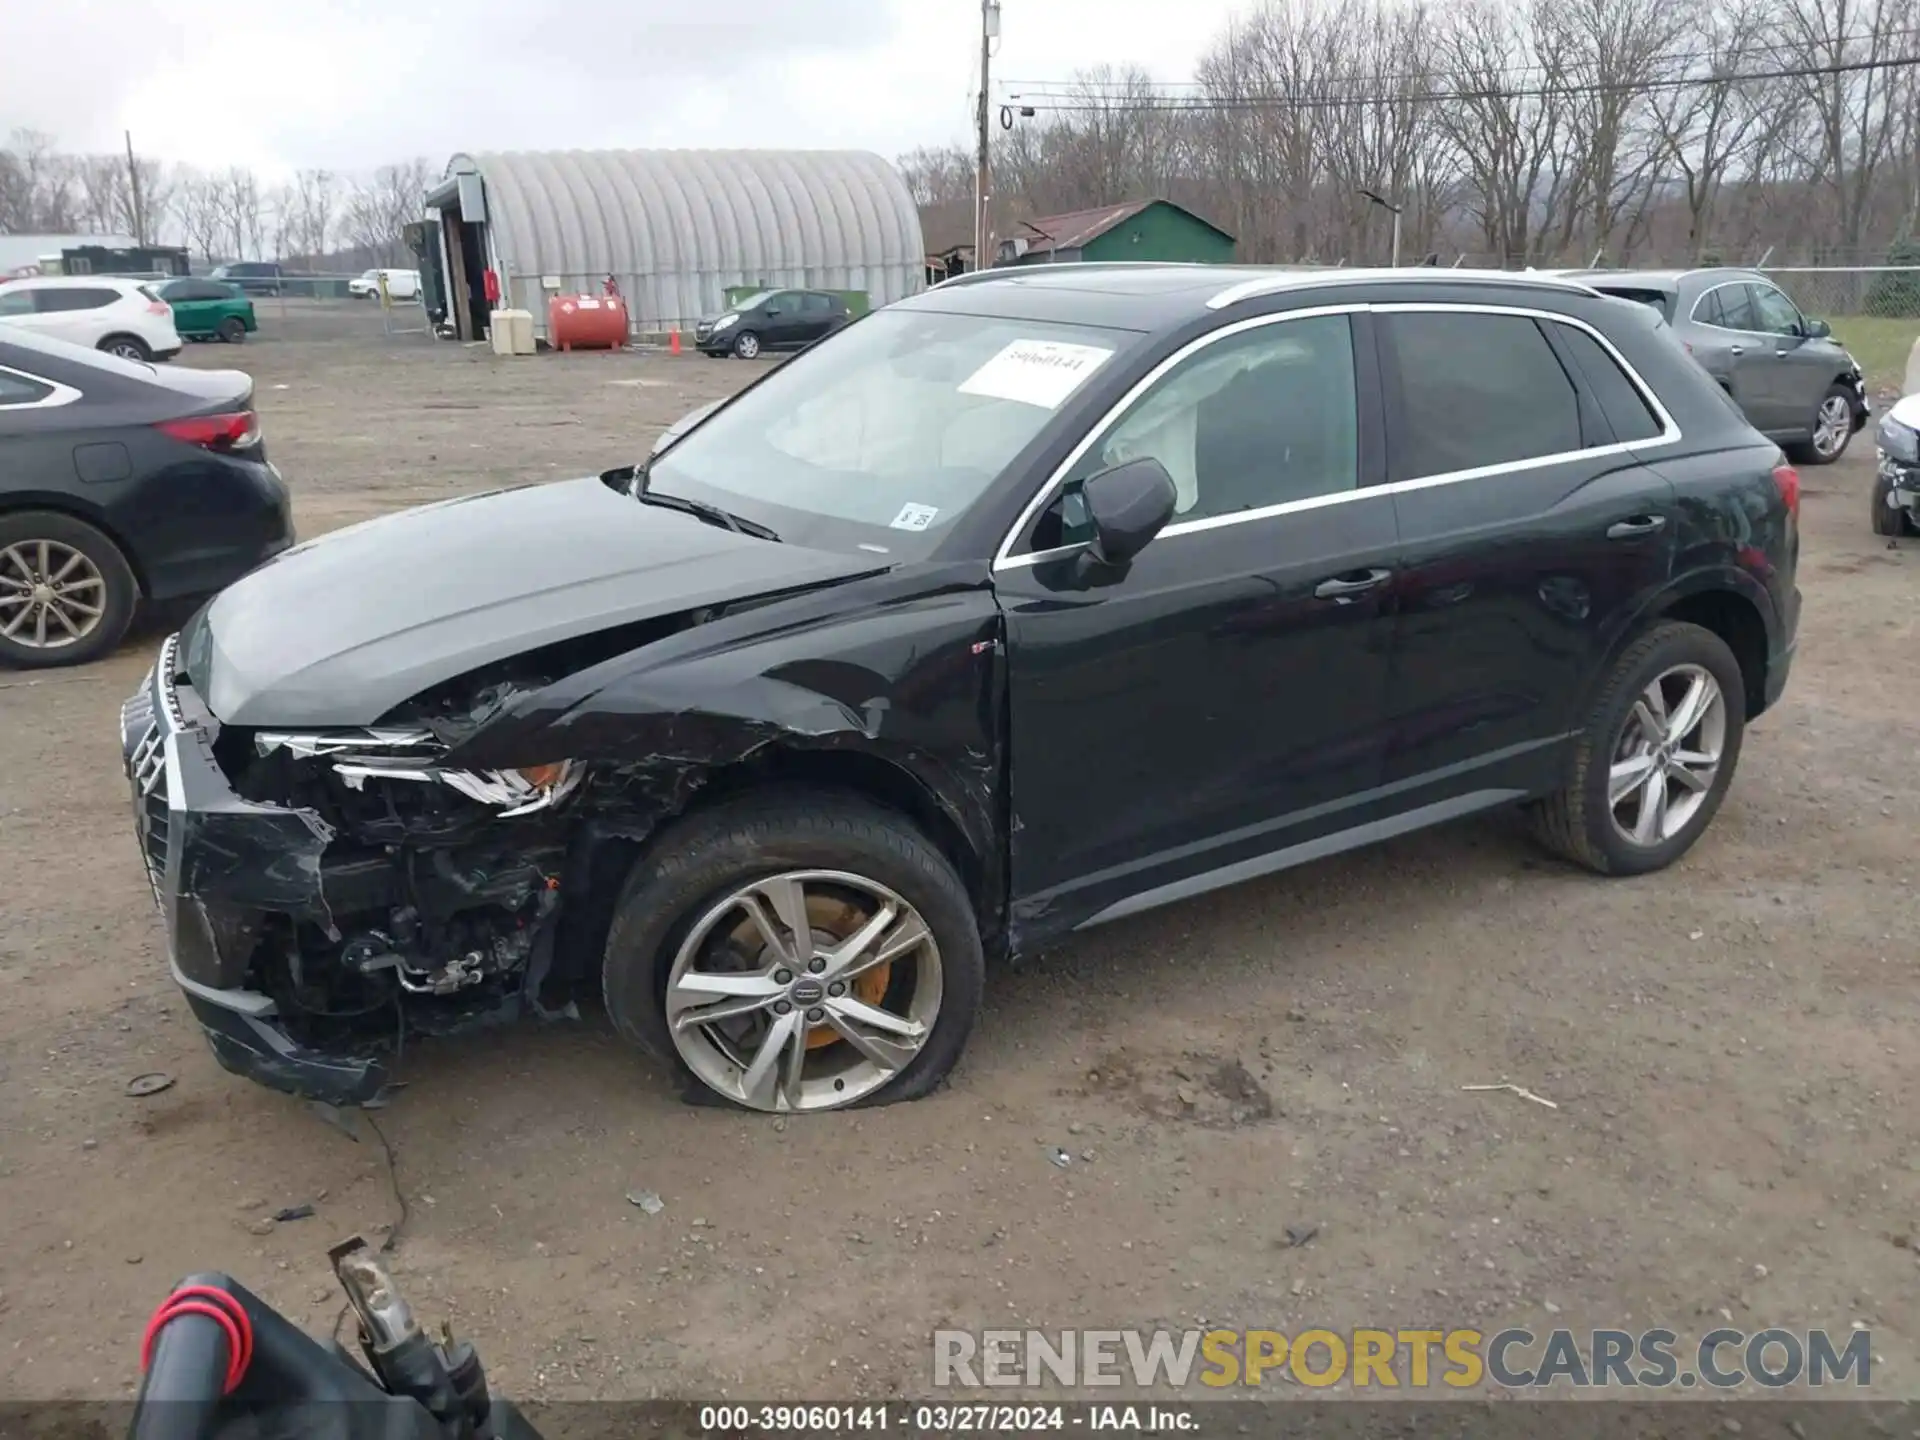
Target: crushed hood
(340,630)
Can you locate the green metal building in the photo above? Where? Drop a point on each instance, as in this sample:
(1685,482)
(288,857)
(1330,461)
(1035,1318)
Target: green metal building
(1137,230)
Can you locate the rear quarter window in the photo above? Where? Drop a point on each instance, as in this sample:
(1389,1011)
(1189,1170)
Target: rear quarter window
(1626,409)
(17,389)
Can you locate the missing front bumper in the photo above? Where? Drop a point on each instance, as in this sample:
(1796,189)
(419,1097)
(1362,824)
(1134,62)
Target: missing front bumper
(218,865)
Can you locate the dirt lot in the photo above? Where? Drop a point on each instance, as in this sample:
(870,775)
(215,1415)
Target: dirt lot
(1730,1045)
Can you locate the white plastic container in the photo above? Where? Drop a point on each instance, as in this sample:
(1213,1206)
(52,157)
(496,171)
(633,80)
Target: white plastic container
(511,332)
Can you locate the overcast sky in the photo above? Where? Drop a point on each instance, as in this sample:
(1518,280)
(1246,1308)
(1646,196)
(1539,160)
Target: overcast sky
(348,84)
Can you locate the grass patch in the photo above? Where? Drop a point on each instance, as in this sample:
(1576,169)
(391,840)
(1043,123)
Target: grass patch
(1880,345)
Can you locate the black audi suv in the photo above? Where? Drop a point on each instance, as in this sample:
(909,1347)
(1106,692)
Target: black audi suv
(1015,608)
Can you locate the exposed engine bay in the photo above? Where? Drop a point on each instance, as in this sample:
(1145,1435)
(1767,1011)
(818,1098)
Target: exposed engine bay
(440,887)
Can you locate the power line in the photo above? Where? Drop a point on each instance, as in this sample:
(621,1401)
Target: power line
(1121,87)
(1159,104)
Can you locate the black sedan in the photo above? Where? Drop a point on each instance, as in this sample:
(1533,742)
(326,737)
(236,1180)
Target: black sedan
(121,483)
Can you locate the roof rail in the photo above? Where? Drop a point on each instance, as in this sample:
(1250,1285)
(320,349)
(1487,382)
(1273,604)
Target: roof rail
(1310,279)
(1078,267)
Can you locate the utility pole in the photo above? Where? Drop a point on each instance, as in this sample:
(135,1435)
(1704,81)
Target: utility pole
(982,175)
(133,180)
(1388,205)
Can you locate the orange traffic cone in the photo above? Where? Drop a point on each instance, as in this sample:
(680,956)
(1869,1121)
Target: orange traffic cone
(673,341)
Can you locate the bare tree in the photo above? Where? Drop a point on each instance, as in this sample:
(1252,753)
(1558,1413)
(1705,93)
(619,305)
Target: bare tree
(199,208)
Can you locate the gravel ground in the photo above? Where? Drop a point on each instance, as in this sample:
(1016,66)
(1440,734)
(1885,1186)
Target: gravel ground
(1733,1141)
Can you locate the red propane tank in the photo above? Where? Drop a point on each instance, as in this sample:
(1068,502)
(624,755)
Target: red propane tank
(586,322)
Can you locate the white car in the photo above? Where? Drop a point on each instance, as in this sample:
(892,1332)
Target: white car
(122,317)
(401,284)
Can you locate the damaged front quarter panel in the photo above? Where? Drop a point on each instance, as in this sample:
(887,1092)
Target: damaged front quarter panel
(903,668)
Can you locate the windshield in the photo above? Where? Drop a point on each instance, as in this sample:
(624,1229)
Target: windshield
(880,438)
(747,302)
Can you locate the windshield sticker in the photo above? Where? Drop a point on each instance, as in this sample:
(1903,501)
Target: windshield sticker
(915,517)
(1035,372)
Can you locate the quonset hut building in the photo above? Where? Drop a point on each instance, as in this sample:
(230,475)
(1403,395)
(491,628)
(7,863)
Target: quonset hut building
(675,228)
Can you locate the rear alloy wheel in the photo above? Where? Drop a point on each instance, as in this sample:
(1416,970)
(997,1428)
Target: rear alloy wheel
(233,330)
(127,347)
(1655,758)
(1832,428)
(746,345)
(66,594)
(796,953)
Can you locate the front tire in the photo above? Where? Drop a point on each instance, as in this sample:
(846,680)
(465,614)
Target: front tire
(746,345)
(1833,427)
(799,950)
(67,594)
(127,347)
(1886,519)
(1655,758)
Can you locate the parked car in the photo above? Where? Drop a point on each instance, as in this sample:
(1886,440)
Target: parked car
(253,277)
(1025,605)
(1796,383)
(209,310)
(772,320)
(1896,484)
(121,483)
(401,284)
(122,317)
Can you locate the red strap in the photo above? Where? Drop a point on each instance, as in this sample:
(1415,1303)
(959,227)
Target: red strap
(216,1305)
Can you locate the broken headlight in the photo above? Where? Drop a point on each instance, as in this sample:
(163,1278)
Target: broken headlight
(358,756)
(1899,442)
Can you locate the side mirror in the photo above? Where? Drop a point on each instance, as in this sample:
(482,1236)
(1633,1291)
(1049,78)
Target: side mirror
(1818,330)
(1128,505)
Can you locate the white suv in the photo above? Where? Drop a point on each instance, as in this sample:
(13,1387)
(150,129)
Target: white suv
(122,317)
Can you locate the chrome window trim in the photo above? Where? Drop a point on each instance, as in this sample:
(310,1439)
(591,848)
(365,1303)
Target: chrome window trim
(1699,300)
(58,394)
(1312,279)
(1670,432)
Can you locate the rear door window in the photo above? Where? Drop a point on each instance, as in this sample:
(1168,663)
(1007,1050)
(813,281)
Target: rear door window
(1732,308)
(73,297)
(1477,390)
(816,304)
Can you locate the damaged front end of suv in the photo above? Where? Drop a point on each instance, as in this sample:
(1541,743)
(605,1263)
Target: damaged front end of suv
(424,858)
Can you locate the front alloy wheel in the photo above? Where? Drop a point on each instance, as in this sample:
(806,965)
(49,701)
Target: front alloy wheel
(1833,427)
(805,990)
(796,949)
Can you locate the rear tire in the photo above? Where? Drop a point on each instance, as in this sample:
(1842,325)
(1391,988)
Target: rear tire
(693,869)
(127,347)
(1592,819)
(88,574)
(1833,426)
(1887,520)
(233,330)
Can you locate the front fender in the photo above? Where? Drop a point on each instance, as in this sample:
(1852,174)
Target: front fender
(892,668)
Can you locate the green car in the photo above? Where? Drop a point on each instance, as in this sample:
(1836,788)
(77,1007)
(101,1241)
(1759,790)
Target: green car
(208,310)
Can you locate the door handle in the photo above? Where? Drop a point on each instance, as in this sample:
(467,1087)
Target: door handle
(1354,582)
(1736,349)
(1634,528)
